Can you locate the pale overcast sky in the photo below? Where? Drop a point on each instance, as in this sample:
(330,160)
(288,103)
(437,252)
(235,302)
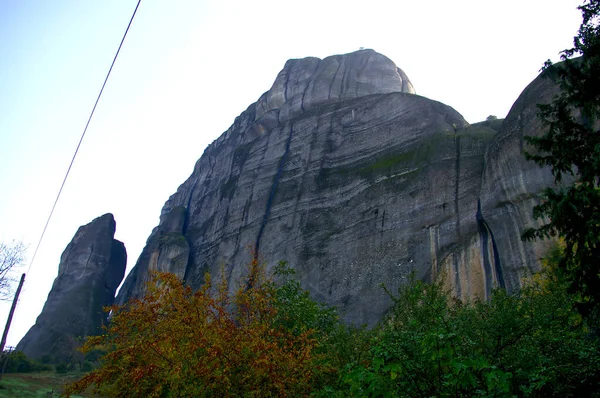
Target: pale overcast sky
(187,69)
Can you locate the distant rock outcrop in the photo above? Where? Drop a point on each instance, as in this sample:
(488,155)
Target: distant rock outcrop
(344,172)
(91,268)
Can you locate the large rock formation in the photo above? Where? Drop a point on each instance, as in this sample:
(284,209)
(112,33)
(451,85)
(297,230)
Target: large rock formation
(509,190)
(344,172)
(91,268)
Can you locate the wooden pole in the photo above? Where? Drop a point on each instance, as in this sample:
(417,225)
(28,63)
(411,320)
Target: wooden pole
(10,314)
(7,327)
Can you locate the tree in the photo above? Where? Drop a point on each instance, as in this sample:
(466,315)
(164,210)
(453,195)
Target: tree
(571,146)
(17,362)
(177,342)
(530,344)
(11,257)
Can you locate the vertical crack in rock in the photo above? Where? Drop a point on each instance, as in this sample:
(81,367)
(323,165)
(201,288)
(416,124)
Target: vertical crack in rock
(456,184)
(287,80)
(457,283)
(483,236)
(193,250)
(188,207)
(497,265)
(308,82)
(273,190)
(433,249)
(304,95)
(486,236)
(334,79)
(360,71)
(306,172)
(345,81)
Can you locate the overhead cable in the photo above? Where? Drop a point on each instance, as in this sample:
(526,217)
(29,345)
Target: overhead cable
(82,136)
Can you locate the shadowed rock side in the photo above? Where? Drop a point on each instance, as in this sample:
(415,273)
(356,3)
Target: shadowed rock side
(511,185)
(91,268)
(355,181)
(510,188)
(166,250)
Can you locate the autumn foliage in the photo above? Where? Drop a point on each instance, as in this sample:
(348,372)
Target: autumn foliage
(180,343)
(271,339)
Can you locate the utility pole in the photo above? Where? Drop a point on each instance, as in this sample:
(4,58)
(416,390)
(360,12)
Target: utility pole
(7,327)
(10,315)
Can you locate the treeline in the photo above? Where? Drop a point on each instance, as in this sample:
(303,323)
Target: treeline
(17,362)
(272,339)
(12,361)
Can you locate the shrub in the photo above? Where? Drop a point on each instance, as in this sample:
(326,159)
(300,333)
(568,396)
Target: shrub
(87,366)
(527,344)
(176,342)
(62,367)
(17,362)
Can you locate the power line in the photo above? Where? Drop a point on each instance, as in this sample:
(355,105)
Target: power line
(82,135)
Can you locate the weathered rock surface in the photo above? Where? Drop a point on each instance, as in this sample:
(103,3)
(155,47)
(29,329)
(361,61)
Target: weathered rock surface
(167,250)
(91,268)
(306,83)
(510,187)
(344,172)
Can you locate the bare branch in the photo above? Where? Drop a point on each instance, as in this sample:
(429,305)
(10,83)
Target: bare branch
(12,256)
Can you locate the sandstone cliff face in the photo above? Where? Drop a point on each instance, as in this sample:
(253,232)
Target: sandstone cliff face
(344,172)
(91,268)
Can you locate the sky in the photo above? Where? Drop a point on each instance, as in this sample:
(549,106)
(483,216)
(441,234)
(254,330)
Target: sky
(186,70)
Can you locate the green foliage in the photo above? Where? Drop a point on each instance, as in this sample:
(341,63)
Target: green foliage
(281,342)
(259,341)
(94,355)
(62,368)
(571,146)
(530,344)
(35,385)
(17,362)
(87,366)
(173,239)
(296,310)
(47,359)
(387,162)
(340,346)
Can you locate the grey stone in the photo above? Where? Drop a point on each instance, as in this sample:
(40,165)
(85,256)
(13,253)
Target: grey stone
(511,186)
(341,170)
(166,250)
(91,268)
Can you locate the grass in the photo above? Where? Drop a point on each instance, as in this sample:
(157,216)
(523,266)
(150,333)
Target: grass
(42,384)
